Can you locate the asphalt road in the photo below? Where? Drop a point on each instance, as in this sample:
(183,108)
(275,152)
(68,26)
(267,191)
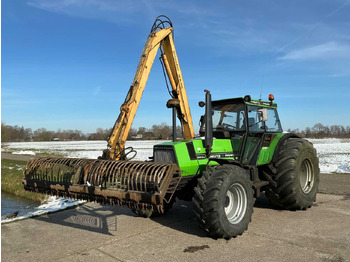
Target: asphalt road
(95,232)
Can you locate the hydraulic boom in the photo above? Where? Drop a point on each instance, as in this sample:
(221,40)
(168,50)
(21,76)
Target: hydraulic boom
(138,185)
(160,37)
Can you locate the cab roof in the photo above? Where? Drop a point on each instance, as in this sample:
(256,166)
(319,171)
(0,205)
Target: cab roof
(240,100)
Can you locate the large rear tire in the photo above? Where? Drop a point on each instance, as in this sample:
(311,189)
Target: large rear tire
(223,201)
(296,175)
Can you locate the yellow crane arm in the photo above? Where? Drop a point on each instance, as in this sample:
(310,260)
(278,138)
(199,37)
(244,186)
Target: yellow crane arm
(162,39)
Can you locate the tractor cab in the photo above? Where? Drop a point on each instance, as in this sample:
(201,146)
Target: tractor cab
(248,123)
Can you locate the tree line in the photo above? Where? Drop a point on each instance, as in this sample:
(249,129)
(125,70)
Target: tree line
(162,131)
(20,134)
(322,131)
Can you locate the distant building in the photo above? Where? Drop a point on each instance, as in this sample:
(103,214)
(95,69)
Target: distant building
(55,139)
(137,136)
(148,135)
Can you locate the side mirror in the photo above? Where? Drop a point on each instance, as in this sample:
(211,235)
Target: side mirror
(262,114)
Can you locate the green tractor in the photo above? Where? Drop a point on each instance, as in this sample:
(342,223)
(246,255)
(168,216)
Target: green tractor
(244,152)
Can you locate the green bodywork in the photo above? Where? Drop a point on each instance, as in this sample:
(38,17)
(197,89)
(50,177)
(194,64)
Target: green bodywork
(195,166)
(257,147)
(266,153)
(261,103)
(222,148)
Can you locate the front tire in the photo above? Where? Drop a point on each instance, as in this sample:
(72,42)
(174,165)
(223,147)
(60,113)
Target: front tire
(296,175)
(223,201)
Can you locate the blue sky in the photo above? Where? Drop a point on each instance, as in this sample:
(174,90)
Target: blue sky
(69,63)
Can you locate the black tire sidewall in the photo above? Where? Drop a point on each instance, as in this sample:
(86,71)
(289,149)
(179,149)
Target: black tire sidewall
(235,175)
(306,151)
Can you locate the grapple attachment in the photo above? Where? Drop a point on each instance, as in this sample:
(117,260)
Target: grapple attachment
(125,183)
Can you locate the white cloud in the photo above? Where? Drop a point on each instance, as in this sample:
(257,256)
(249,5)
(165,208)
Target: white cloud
(121,11)
(107,10)
(237,32)
(329,50)
(64,5)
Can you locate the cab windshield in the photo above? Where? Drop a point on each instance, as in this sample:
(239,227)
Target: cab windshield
(229,117)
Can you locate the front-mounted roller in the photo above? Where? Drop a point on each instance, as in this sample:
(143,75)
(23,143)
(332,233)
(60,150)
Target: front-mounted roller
(132,184)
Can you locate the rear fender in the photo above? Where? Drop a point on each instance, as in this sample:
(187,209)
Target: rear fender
(280,143)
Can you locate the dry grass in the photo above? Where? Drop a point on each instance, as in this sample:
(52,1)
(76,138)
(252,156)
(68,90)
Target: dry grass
(11,180)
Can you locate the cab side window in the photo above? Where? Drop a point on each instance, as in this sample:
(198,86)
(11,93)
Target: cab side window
(253,119)
(273,123)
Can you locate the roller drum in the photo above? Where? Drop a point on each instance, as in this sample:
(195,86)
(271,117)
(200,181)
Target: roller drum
(125,183)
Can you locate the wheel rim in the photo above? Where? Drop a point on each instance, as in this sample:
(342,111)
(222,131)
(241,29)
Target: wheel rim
(306,177)
(235,203)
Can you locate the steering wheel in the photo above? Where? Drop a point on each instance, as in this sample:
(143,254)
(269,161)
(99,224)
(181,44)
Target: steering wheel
(228,126)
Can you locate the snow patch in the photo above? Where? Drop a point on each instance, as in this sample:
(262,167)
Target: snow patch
(54,204)
(334,154)
(345,168)
(24,152)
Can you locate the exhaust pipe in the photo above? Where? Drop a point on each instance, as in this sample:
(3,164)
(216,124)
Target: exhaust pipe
(208,124)
(173,104)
